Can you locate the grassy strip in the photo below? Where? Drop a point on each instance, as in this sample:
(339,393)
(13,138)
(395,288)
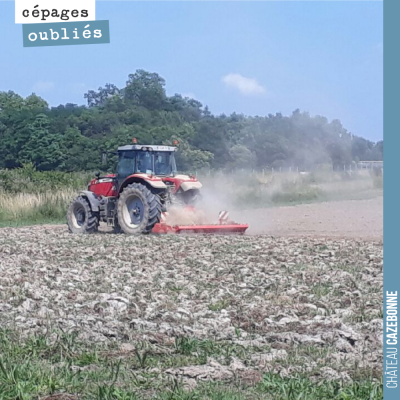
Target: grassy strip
(37,208)
(31,222)
(47,366)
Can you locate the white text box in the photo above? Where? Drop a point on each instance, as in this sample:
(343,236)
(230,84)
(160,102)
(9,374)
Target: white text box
(43,11)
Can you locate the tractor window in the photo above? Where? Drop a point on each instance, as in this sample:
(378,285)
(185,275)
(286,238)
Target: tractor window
(144,162)
(164,163)
(126,165)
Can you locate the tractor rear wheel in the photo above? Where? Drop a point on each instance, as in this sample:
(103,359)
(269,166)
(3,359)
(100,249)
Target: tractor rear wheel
(138,209)
(80,217)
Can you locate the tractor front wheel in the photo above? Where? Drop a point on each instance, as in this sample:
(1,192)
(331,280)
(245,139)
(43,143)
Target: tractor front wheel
(138,209)
(80,217)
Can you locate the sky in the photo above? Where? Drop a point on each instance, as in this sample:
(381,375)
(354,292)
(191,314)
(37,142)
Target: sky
(254,58)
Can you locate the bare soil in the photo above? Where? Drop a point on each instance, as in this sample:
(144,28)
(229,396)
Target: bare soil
(351,218)
(289,299)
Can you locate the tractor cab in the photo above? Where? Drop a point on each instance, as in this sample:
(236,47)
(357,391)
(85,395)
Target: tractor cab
(150,160)
(137,163)
(151,165)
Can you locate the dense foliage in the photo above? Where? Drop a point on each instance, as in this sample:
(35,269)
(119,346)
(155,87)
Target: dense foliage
(71,137)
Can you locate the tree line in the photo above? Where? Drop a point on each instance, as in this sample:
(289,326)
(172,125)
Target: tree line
(72,137)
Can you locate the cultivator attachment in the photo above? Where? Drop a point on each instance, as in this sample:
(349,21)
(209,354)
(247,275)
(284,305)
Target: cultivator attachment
(224,226)
(216,228)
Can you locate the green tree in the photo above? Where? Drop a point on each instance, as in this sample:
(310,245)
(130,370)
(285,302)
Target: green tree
(36,103)
(100,97)
(242,157)
(11,101)
(43,149)
(71,137)
(189,159)
(146,89)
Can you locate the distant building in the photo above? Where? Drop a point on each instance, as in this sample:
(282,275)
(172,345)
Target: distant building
(370,164)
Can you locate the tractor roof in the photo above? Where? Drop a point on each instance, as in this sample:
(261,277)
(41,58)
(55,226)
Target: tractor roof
(146,147)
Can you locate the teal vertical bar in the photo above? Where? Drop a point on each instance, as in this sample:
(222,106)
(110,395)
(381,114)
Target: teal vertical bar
(391,198)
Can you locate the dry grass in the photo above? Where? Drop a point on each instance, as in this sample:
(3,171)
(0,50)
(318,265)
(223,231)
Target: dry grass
(34,207)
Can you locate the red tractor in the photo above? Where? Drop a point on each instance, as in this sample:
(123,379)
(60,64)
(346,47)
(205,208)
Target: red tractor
(137,197)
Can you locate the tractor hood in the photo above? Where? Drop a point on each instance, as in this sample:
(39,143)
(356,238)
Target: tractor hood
(154,181)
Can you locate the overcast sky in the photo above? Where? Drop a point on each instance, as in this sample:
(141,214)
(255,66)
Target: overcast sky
(254,58)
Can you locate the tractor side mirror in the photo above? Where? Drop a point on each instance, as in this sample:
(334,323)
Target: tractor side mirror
(97,175)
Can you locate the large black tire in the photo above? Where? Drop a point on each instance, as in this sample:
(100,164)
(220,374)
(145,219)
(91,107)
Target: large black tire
(80,217)
(138,209)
